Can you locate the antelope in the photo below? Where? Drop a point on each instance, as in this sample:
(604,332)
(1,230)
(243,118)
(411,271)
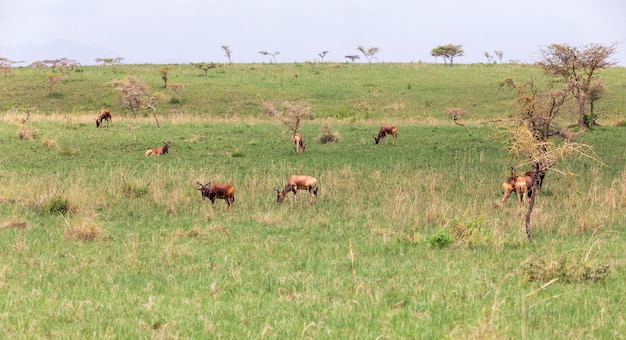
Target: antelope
(521,185)
(103,115)
(159,151)
(220,191)
(298,144)
(295,183)
(382,134)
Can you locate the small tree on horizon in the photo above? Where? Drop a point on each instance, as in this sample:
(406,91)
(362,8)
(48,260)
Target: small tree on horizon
(322,55)
(110,61)
(369,53)
(270,54)
(228,53)
(204,66)
(499,54)
(448,52)
(352,57)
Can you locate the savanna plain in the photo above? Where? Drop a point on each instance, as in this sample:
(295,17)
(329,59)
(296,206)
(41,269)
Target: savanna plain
(407,240)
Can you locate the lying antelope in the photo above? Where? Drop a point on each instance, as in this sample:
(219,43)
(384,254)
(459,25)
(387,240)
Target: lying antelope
(159,151)
(103,115)
(295,183)
(298,144)
(382,134)
(220,191)
(521,185)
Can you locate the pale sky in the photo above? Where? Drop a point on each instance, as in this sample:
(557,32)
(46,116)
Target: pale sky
(182,31)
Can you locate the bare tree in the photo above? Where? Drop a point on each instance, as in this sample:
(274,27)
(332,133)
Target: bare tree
(352,57)
(369,53)
(537,138)
(135,94)
(456,113)
(488,56)
(499,54)
(577,68)
(290,115)
(271,54)
(228,53)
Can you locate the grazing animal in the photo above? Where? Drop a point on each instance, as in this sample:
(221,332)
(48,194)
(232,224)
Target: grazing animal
(295,183)
(521,185)
(159,151)
(103,115)
(220,191)
(298,144)
(384,131)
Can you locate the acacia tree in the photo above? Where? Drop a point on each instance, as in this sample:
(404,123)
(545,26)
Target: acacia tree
(577,68)
(290,116)
(322,55)
(352,57)
(488,56)
(204,66)
(448,52)
(6,65)
(537,138)
(499,54)
(110,61)
(369,53)
(271,54)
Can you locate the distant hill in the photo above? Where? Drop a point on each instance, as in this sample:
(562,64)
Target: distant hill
(56,49)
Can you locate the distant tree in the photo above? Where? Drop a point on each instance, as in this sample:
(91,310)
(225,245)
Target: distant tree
(110,61)
(164,71)
(135,94)
(488,56)
(6,65)
(62,65)
(177,88)
(499,54)
(322,55)
(577,68)
(290,115)
(52,79)
(456,113)
(352,57)
(448,52)
(204,66)
(271,54)
(369,53)
(228,53)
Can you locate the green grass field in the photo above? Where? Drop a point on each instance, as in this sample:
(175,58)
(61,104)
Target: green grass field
(407,240)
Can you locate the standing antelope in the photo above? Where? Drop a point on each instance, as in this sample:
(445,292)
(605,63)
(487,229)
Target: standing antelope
(220,191)
(295,183)
(298,144)
(159,151)
(382,134)
(521,185)
(103,115)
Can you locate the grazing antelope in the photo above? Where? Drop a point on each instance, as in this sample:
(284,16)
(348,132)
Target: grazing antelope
(159,151)
(295,183)
(382,134)
(220,191)
(298,144)
(103,115)
(521,185)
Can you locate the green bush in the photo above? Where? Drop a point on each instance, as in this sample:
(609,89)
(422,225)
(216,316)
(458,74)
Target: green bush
(57,205)
(441,239)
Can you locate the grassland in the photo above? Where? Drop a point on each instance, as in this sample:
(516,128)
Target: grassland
(407,240)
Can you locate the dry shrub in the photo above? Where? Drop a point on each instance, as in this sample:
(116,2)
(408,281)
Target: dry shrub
(14,224)
(327,134)
(49,143)
(566,268)
(26,133)
(269,109)
(86,230)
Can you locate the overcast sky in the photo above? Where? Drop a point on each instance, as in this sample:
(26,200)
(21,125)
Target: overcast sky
(157,31)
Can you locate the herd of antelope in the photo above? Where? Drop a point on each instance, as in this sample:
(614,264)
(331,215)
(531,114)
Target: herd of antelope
(520,185)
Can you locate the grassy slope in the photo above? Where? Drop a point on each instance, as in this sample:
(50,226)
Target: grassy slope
(358,264)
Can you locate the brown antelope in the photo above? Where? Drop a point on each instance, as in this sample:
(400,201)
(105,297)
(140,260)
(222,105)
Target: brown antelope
(103,115)
(384,131)
(298,144)
(159,151)
(295,183)
(521,185)
(220,191)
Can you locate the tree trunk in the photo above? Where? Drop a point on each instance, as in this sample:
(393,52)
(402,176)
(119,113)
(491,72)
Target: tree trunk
(581,110)
(538,175)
